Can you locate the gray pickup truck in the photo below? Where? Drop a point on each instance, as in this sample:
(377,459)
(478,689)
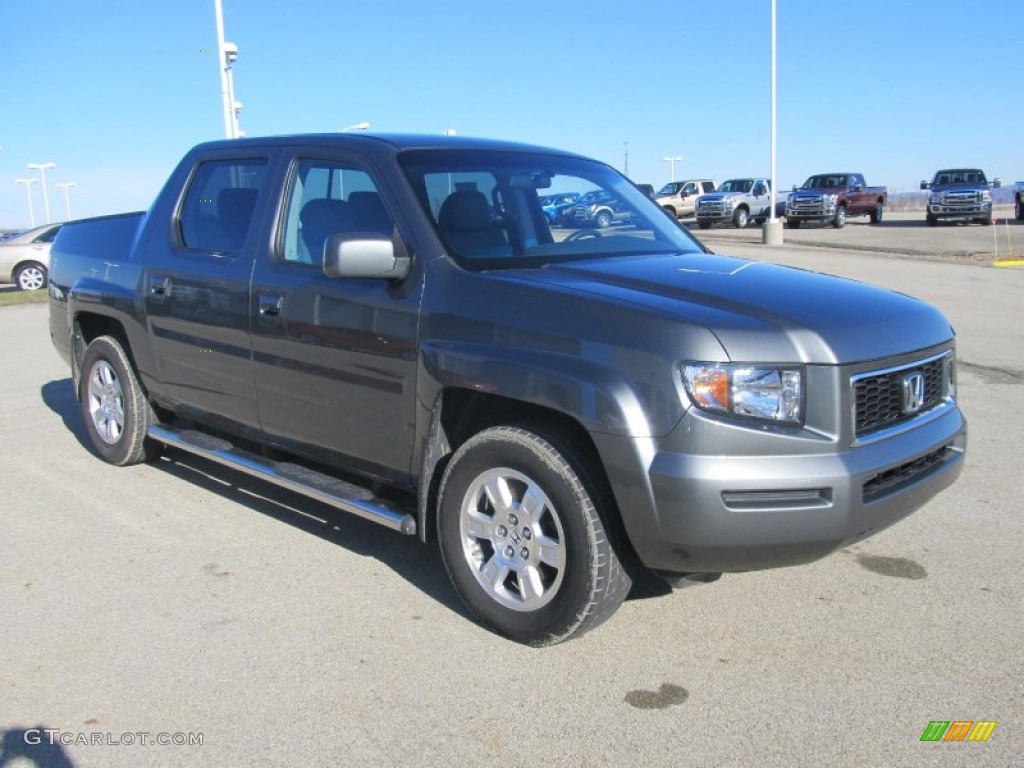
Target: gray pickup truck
(389,325)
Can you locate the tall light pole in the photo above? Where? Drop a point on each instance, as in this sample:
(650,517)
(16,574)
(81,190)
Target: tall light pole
(672,164)
(227,54)
(625,159)
(28,196)
(771,233)
(66,185)
(356,127)
(42,168)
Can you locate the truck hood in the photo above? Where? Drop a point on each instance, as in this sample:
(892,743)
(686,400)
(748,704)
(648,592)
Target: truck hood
(958,187)
(760,311)
(821,191)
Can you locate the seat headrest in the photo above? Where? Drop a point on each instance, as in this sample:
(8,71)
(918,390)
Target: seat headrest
(465,210)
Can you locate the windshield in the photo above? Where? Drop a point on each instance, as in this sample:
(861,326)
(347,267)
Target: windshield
(960,176)
(737,185)
(671,188)
(829,181)
(486,208)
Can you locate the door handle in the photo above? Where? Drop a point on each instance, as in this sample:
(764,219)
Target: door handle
(270,304)
(158,285)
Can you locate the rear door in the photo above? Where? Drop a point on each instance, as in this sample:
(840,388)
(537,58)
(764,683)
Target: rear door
(196,291)
(334,358)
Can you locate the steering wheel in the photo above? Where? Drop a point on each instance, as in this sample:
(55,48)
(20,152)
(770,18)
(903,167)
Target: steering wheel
(583,234)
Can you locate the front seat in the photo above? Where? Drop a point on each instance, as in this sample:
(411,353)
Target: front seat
(466,226)
(319,220)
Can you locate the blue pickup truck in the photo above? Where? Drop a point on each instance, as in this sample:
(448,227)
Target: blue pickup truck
(389,325)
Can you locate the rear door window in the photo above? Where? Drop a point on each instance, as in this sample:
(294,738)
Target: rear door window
(217,212)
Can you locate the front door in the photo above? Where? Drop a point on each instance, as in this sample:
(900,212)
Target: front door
(334,358)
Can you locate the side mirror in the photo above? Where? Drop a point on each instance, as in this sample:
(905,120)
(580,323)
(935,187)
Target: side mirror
(997,183)
(924,185)
(364,255)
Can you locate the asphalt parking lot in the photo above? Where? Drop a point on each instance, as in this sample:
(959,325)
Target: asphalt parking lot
(178,598)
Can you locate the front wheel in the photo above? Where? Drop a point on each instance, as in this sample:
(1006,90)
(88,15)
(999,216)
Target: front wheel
(1018,209)
(523,538)
(840,220)
(603,220)
(741,218)
(931,220)
(792,223)
(876,215)
(30,277)
(703,224)
(986,221)
(117,414)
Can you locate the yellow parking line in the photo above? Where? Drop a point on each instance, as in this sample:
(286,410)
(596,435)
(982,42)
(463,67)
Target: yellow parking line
(1009,263)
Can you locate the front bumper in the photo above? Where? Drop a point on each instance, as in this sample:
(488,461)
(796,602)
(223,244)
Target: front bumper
(721,513)
(817,214)
(939,211)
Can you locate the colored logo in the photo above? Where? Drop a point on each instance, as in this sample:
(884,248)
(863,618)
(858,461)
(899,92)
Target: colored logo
(958,730)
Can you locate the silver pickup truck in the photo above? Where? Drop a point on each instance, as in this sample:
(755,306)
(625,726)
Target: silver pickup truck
(737,201)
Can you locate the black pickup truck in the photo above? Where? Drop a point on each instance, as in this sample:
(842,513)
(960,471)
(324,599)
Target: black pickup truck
(389,325)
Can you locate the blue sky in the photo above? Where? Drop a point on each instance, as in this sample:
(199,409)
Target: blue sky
(115,91)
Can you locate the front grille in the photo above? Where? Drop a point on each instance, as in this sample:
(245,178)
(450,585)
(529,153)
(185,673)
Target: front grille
(815,203)
(710,208)
(885,482)
(879,397)
(968,199)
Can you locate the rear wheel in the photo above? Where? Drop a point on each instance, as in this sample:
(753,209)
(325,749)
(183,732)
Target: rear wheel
(840,219)
(741,218)
(117,414)
(523,540)
(30,277)
(876,215)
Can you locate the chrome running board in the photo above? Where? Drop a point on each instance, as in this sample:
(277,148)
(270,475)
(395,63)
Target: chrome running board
(316,485)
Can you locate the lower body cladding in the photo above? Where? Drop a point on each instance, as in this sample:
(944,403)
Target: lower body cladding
(718,513)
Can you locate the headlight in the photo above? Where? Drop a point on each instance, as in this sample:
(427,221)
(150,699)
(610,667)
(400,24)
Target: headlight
(934,199)
(831,199)
(756,392)
(986,196)
(729,202)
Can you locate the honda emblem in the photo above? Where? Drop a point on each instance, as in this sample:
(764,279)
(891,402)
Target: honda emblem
(913,392)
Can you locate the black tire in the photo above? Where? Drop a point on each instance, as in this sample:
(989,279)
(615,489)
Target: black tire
(603,220)
(840,218)
(985,222)
(1018,209)
(114,406)
(703,224)
(30,276)
(670,211)
(793,223)
(528,593)
(932,220)
(876,215)
(740,218)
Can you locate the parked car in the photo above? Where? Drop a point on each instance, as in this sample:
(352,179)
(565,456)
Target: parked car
(737,201)
(680,197)
(834,198)
(385,325)
(600,209)
(960,194)
(555,206)
(647,189)
(25,258)
(1018,200)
